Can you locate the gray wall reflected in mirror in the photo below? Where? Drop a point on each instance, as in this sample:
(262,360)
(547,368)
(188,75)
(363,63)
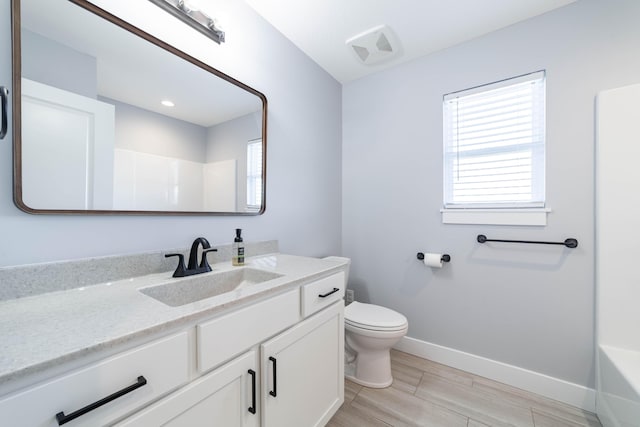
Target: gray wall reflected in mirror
(96,138)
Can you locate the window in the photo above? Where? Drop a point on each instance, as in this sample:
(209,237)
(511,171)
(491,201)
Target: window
(254,174)
(494,145)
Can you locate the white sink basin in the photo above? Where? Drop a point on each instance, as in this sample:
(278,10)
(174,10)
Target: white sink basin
(181,291)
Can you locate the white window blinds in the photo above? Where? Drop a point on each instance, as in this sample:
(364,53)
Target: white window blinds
(254,174)
(494,138)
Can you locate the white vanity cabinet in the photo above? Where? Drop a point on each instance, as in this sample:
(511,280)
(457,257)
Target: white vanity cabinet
(273,362)
(299,382)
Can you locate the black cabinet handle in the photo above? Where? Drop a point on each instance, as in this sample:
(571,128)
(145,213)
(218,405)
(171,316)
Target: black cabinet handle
(274,392)
(252,408)
(329,293)
(63,419)
(4,93)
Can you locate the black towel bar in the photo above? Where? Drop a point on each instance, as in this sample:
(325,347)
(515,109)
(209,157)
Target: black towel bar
(570,243)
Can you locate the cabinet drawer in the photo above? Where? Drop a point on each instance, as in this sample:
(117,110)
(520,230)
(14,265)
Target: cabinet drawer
(222,338)
(322,293)
(162,363)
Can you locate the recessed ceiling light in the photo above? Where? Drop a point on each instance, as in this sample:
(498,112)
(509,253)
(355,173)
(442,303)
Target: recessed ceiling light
(168,103)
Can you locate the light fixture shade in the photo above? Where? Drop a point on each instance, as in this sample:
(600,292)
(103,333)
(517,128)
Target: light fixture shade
(192,16)
(375,45)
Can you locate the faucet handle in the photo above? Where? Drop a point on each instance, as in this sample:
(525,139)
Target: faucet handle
(204,263)
(180,269)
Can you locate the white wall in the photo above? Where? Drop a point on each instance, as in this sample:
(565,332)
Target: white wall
(303,148)
(148,132)
(525,305)
(228,141)
(79,74)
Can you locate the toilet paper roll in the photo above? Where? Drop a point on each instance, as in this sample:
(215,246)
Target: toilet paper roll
(433,260)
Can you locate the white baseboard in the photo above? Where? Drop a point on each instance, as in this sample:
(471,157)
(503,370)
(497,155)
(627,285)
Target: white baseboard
(544,385)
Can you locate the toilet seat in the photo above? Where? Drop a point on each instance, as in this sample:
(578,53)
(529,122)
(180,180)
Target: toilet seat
(376,333)
(373,317)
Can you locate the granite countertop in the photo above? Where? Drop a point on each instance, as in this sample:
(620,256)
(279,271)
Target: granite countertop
(43,331)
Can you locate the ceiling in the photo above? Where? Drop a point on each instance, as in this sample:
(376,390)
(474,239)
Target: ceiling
(320,28)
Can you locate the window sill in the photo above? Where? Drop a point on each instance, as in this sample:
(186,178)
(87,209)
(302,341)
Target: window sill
(533,216)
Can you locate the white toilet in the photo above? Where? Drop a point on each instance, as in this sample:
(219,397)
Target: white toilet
(370,332)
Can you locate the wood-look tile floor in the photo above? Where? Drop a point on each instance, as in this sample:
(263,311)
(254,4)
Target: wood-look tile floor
(426,393)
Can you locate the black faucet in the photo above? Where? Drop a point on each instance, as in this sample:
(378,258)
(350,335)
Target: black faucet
(194,267)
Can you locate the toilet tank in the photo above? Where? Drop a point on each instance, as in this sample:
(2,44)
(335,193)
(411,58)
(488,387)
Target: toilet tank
(346,271)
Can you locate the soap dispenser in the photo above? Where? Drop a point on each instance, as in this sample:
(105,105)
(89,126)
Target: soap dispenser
(237,250)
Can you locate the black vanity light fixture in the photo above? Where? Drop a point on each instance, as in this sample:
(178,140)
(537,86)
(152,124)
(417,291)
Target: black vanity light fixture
(193,16)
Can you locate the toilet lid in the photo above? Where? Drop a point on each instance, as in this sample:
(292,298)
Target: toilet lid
(373,316)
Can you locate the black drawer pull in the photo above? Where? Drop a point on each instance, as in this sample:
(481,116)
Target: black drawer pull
(252,408)
(274,392)
(63,419)
(329,293)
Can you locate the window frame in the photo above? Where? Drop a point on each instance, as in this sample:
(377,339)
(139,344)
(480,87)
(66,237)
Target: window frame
(503,212)
(252,178)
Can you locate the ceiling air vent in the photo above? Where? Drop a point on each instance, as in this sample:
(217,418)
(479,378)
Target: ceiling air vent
(375,45)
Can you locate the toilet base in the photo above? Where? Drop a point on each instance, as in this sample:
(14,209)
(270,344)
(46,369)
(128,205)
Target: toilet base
(367,384)
(371,370)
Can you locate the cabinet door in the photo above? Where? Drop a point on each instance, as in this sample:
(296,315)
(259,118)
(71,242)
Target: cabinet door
(222,398)
(308,363)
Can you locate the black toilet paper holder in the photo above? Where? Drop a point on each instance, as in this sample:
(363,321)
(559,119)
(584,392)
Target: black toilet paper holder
(444,258)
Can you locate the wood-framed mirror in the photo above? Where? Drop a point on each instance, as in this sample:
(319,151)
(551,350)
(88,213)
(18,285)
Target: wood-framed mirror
(109,119)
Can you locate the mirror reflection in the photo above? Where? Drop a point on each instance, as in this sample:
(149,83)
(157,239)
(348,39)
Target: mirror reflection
(114,123)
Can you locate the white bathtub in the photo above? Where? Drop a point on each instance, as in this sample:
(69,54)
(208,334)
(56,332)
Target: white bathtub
(618,398)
